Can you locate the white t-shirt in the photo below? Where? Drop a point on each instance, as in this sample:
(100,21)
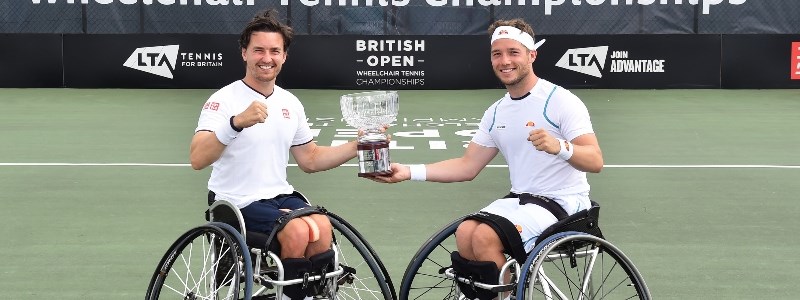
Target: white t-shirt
(507,123)
(253,166)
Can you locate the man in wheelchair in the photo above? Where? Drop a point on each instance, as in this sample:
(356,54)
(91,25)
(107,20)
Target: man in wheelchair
(545,135)
(246,131)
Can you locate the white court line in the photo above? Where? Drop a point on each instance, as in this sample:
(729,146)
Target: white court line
(356,165)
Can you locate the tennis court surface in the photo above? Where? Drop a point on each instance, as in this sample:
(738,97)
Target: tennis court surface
(700,187)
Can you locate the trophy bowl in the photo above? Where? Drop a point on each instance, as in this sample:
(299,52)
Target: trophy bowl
(369,112)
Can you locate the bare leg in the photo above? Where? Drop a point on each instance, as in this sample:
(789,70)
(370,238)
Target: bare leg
(464,238)
(325,236)
(294,239)
(486,245)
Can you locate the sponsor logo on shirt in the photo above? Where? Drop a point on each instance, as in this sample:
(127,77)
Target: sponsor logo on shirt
(211,105)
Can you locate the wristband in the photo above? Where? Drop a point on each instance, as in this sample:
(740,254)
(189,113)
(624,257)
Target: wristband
(226,133)
(237,129)
(418,172)
(567,149)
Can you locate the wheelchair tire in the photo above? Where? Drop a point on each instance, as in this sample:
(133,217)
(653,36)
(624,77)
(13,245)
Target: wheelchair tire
(575,265)
(365,277)
(195,266)
(423,278)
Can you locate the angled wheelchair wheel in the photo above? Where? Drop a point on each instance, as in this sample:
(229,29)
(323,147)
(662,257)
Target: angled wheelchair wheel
(424,278)
(365,276)
(574,265)
(206,262)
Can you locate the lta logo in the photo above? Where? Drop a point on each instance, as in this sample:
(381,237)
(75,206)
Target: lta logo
(158,60)
(796,61)
(589,61)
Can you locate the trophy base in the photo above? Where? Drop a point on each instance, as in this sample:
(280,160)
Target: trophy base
(373,174)
(373,159)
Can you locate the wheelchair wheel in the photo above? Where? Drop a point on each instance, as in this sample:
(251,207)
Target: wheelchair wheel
(206,262)
(423,278)
(365,276)
(574,265)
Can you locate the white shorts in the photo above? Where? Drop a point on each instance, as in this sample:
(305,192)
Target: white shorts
(532,219)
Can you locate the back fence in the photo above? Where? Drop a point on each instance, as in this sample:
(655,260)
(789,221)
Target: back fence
(403,17)
(590,43)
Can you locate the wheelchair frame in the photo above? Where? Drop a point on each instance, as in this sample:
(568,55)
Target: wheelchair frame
(581,266)
(196,274)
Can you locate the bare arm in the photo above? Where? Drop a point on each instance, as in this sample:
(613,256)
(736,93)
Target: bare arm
(312,158)
(464,168)
(205,149)
(586,156)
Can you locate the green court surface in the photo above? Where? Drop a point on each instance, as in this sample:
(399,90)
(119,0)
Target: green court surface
(700,187)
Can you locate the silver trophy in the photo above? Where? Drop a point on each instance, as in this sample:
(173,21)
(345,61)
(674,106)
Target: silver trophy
(369,112)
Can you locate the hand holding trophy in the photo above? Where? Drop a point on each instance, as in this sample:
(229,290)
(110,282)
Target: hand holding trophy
(369,112)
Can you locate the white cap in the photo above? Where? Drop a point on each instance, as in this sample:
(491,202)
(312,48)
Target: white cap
(510,32)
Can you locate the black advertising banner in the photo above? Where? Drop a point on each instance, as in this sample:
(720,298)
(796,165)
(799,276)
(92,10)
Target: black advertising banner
(764,61)
(151,61)
(389,62)
(630,61)
(462,62)
(31,61)
(394,62)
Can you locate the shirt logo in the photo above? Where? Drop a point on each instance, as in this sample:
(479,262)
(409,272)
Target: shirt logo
(286,114)
(519,228)
(211,105)
(530,124)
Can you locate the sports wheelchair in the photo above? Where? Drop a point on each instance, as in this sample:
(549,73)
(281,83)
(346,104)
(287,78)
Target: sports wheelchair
(222,260)
(571,260)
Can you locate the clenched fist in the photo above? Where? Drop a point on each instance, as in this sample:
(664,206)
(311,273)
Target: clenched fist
(543,141)
(255,113)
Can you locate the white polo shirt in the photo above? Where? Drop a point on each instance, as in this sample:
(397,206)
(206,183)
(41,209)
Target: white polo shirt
(507,123)
(253,166)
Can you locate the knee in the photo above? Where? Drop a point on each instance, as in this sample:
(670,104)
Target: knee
(323,223)
(319,228)
(294,233)
(484,238)
(465,231)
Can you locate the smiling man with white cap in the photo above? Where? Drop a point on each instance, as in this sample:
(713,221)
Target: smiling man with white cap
(545,135)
